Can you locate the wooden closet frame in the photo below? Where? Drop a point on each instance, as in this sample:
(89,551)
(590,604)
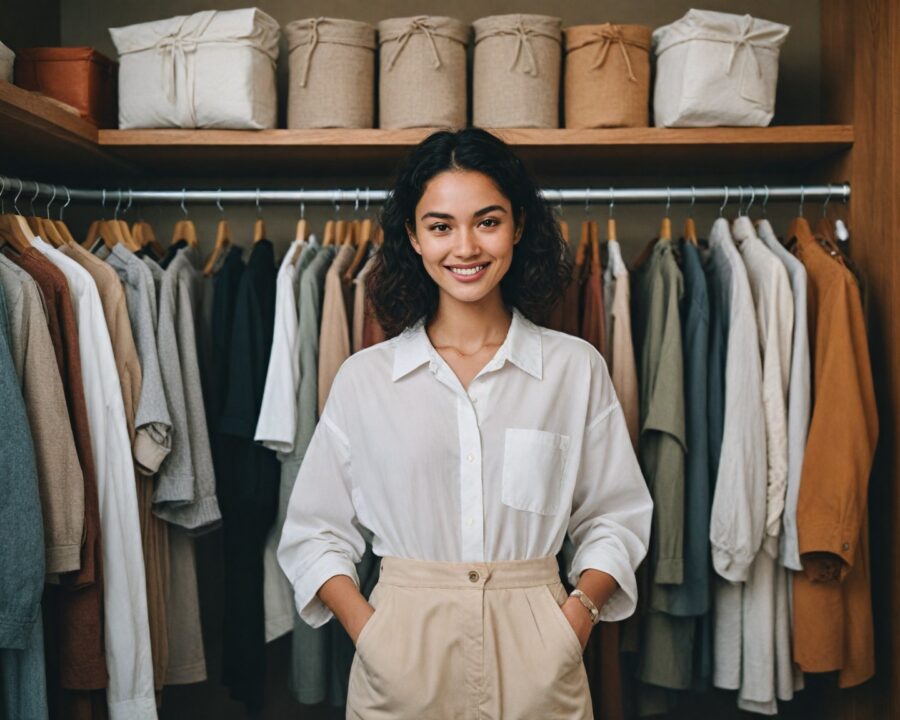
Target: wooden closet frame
(860,73)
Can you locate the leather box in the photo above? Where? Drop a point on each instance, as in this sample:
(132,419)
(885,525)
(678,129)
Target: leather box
(78,76)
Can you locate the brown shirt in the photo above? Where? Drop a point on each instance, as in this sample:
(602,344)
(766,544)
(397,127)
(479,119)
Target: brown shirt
(593,319)
(79,607)
(832,597)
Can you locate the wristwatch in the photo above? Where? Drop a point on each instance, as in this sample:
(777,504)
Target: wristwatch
(588,603)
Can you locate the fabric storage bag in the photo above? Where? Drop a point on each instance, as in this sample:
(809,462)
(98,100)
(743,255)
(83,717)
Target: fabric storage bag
(516,71)
(207,70)
(7,59)
(607,78)
(80,77)
(422,72)
(716,69)
(332,73)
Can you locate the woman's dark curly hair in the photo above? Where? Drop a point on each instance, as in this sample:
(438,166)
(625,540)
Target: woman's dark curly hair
(400,289)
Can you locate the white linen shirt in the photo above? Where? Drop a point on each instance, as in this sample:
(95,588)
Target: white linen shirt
(537,447)
(130,693)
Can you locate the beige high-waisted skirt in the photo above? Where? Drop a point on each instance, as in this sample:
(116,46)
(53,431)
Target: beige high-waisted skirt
(468,641)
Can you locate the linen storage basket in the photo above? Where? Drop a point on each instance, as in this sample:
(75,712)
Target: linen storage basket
(716,69)
(80,77)
(422,72)
(607,77)
(206,70)
(332,73)
(7,58)
(516,71)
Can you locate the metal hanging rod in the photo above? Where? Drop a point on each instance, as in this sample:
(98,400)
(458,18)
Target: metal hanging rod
(28,190)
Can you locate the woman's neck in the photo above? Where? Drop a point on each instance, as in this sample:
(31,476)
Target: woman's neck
(470,325)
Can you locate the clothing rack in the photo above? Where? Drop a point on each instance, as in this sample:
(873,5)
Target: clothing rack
(29,191)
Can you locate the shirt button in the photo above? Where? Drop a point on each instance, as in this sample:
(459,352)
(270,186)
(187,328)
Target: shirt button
(470,457)
(473,576)
(474,400)
(846,546)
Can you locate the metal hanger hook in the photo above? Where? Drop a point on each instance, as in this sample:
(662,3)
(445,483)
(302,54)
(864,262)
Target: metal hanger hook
(16,198)
(103,201)
(356,205)
(612,202)
(53,187)
(219,202)
(827,200)
(130,200)
(183,198)
(2,190)
(802,193)
(766,201)
(337,202)
(740,200)
(693,201)
(367,199)
(118,204)
(587,201)
(303,206)
(258,206)
(752,198)
(724,204)
(668,200)
(68,200)
(37,191)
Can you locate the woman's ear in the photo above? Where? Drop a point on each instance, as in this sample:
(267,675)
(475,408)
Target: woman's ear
(412,238)
(520,227)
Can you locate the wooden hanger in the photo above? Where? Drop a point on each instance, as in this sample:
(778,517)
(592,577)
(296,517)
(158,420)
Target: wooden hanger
(690,231)
(64,231)
(148,239)
(328,237)
(177,232)
(361,248)
(15,231)
(339,229)
(595,244)
(259,230)
(564,230)
(302,230)
(223,242)
(50,233)
(378,236)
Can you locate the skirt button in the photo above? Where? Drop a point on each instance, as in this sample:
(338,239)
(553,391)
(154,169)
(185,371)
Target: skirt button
(473,576)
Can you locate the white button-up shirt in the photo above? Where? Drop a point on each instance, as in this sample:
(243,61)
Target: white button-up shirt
(403,454)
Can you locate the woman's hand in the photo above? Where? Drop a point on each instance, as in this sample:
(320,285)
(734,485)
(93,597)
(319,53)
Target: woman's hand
(579,618)
(358,621)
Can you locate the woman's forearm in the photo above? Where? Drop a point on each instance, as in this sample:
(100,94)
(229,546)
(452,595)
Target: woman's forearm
(347,603)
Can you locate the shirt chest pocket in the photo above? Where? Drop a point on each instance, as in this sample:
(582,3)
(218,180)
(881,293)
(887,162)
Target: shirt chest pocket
(533,465)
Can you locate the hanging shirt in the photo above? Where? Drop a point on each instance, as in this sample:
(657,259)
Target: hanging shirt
(738,513)
(799,396)
(127,634)
(60,479)
(153,440)
(78,653)
(623,368)
(249,486)
(334,332)
(766,654)
(23,692)
(279,406)
(667,642)
(535,448)
(832,596)
(360,305)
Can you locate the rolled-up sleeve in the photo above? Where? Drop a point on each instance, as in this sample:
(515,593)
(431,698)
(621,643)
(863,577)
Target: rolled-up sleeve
(321,537)
(611,511)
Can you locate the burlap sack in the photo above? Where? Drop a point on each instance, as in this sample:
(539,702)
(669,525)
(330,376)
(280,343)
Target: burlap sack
(607,80)
(422,72)
(716,68)
(516,74)
(332,73)
(212,69)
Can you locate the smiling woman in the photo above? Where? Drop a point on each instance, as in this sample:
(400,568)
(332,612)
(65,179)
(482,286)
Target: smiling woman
(469,444)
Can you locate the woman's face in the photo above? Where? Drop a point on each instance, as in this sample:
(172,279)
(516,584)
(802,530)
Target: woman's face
(465,234)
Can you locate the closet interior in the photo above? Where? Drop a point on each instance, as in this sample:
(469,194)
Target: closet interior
(843,163)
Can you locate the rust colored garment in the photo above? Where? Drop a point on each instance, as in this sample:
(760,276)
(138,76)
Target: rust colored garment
(77,604)
(154,533)
(832,596)
(593,317)
(372,332)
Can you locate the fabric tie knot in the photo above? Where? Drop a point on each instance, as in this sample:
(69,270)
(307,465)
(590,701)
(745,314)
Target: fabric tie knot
(313,42)
(743,40)
(606,36)
(416,25)
(523,40)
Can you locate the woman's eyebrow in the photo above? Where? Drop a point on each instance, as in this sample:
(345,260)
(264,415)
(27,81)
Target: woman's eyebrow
(448,216)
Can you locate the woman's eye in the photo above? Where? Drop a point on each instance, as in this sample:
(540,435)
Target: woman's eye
(494,222)
(440,227)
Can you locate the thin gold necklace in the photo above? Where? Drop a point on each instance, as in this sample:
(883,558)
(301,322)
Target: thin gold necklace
(460,352)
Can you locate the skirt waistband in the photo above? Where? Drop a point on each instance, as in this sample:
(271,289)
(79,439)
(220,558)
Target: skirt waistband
(488,575)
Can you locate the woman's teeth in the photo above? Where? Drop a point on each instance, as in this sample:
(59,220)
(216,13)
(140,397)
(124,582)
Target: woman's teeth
(468,271)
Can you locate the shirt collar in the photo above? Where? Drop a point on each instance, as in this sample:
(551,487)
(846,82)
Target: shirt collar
(522,347)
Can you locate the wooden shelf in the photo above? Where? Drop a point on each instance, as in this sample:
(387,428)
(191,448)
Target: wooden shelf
(637,151)
(46,142)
